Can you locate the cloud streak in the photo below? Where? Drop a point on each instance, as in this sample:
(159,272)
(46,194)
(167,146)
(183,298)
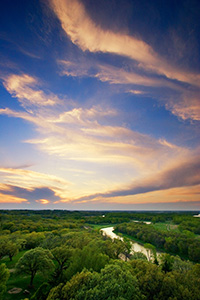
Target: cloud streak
(185,174)
(181,101)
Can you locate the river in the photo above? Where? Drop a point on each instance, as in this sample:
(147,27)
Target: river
(135,246)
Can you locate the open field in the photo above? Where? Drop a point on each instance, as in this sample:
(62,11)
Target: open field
(166,226)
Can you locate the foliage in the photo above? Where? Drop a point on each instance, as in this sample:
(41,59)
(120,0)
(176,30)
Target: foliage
(90,257)
(115,281)
(35,260)
(42,292)
(4,275)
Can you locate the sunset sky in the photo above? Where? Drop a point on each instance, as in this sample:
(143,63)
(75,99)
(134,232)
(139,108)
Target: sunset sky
(100,104)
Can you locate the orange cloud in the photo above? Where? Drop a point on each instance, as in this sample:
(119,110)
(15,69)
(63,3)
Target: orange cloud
(11,199)
(43,201)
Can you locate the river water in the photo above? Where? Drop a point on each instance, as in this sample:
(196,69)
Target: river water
(135,246)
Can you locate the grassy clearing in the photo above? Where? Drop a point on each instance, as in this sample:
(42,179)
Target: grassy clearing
(99,226)
(21,281)
(167,226)
(11,264)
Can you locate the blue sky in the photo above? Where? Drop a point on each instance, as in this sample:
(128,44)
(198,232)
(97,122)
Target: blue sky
(100,105)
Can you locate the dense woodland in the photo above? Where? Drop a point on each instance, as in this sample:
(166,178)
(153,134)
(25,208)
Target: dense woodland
(58,255)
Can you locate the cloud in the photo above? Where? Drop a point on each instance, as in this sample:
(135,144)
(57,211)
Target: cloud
(185,174)
(31,185)
(30,177)
(187,106)
(15,194)
(88,36)
(96,142)
(79,134)
(11,199)
(107,73)
(181,101)
(31,194)
(24,87)
(146,67)
(82,136)
(43,201)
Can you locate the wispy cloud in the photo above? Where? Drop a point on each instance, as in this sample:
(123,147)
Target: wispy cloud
(83,32)
(61,132)
(149,68)
(82,135)
(25,88)
(181,101)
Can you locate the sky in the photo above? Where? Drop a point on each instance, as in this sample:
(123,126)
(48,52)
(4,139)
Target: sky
(100,104)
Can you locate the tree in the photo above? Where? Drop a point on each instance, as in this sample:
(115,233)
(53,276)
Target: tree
(194,251)
(149,277)
(138,255)
(89,257)
(35,260)
(42,292)
(167,262)
(127,248)
(11,249)
(4,275)
(61,255)
(3,242)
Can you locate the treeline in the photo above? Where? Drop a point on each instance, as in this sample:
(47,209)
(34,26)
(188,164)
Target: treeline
(35,221)
(120,217)
(181,243)
(32,219)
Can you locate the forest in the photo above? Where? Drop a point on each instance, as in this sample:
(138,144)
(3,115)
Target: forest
(64,255)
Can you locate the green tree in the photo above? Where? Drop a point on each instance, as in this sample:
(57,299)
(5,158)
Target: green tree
(127,247)
(4,275)
(167,262)
(3,242)
(149,277)
(194,251)
(42,292)
(34,239)
(62,255)
(35,260)
(11,249)
(138,255)
(89,257)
